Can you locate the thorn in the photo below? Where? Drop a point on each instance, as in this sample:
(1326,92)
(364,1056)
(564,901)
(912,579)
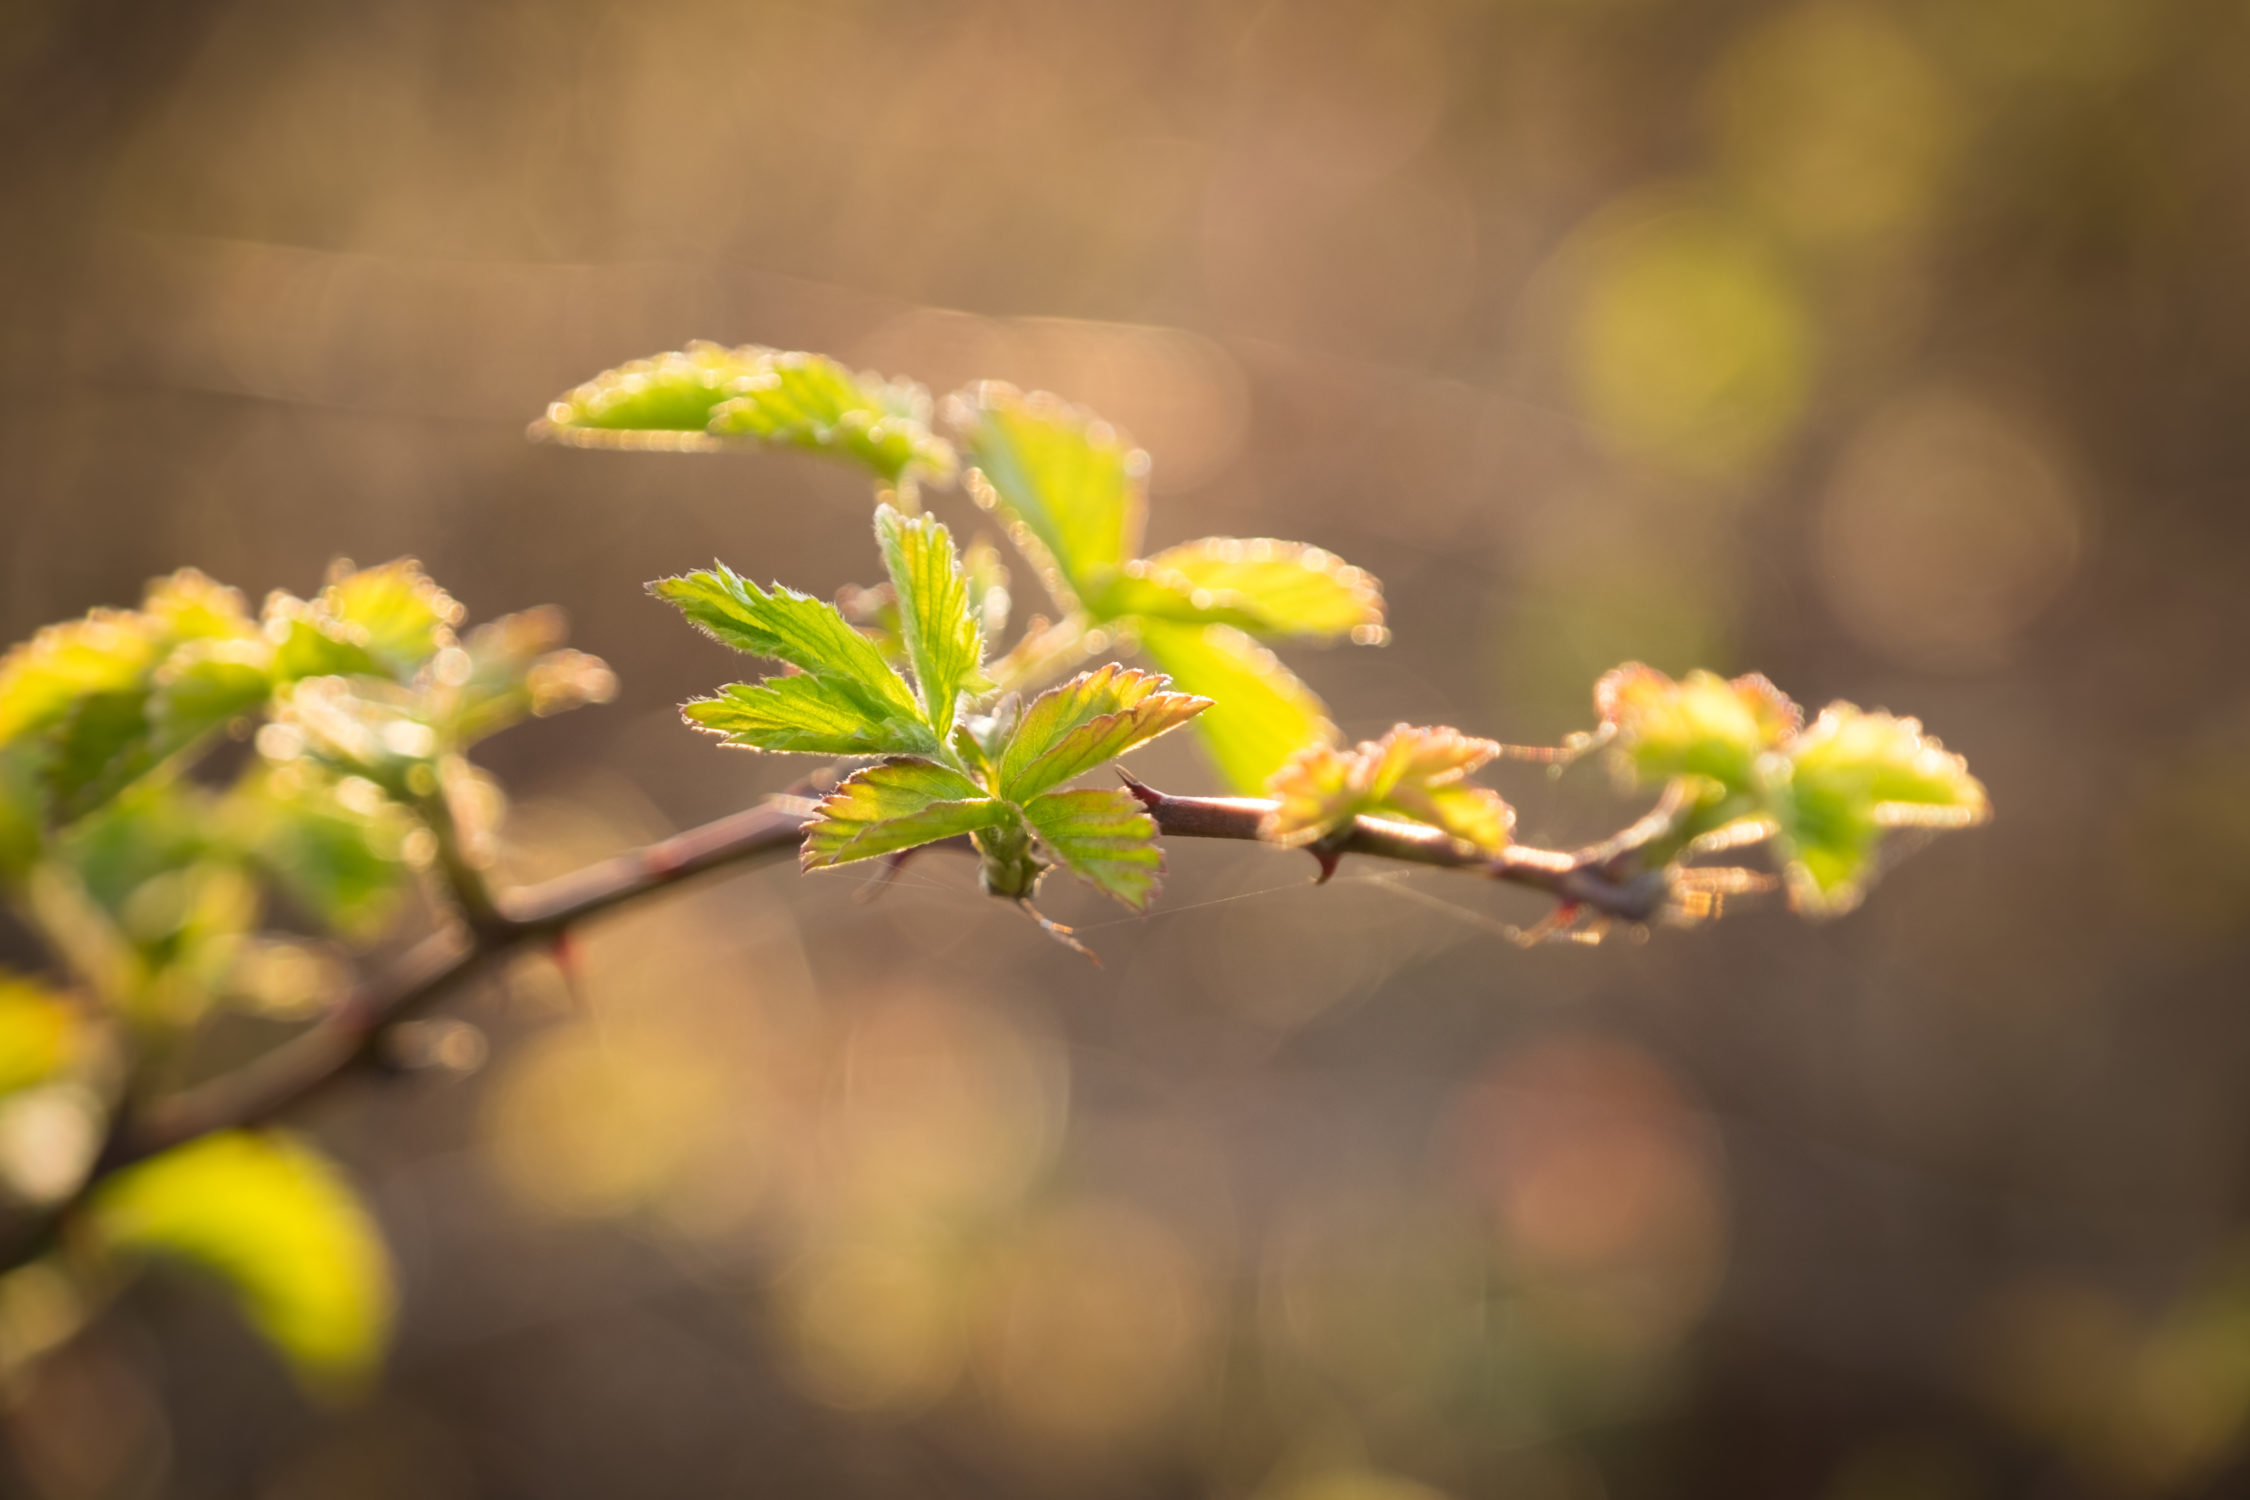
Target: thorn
(1554,926)
(1058,932)
(1149,796)
(1329,857)
(569,962)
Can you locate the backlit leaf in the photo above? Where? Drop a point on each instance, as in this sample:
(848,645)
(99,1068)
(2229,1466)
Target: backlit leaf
(810,401)
(1415,773)
(1260,715)
(40,1033)
(1103,835)
(279,1227)
(509,668)
(663,401)
(1850,776)
(1702,725)
(808,715)
(809,634)
(396,613)
(1086,722)
(335,847)
(937,629)
(1068,484)
(706,397)
(899,804)
(1262,586)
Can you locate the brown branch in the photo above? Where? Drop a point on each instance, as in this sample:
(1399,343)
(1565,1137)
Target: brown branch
(1600,878)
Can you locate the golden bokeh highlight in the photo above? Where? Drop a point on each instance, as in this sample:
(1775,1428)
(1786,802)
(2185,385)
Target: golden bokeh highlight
(2144,1403)
(1948,526)
(1690,345)
(590,1122)
(1836,123)
(1096,1327)
(933,1111)
(877,1326)
(1605,1187)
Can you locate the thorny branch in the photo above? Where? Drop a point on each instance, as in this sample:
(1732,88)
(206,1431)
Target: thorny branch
(1601,879)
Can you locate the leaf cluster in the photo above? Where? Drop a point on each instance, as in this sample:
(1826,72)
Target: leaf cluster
(179,882)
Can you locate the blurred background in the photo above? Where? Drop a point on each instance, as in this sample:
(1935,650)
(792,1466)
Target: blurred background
(1895,348)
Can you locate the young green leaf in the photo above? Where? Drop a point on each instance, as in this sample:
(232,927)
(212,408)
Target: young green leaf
(900,804)
(1089,721)
(811,635)
(336,848)
(936,626)
(1102,835)
(279,1226)
(1262,586)
(396,613)
(664,401)
(805,715)
(1261,714)
(511,667)
(1415,773)
(40,1033)
(1702,725)
(1846,779)
(810,401)
(706,397)
(108,653)
(1068,484)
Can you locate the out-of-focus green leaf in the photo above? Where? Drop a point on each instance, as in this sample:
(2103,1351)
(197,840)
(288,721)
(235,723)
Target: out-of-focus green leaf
(335,847)
(40,1033)
(988,587)
(360,728)
(707,397)
(279,1226)
(1702,725)
(23,809)
(1260,715)
(810,401)
(1102,835)
(1089,721)
(207,684)
(396,613)
(811,635)
(1848,777)
(511,667)
(662,401)
(806,715)
(936,628)
(1067,483)
(900,804)
(1258,585)
(1415,773)
(109,653)
(188,606)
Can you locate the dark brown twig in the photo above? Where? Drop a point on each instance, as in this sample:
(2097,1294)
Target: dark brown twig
(1600,879)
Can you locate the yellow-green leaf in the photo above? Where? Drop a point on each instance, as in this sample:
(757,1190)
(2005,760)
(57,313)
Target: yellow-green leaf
(900,804)
(1068,484)
(1415,773)
(936,628)
(1102,835)
(279,1226)
(811,635)
(1702,725)
(1846,779)
(806,715)
(1261,713)
(40,1033)
(707,397)
(810,401)
(336,847)
(1259,585)
(664,401)
(1089,721)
